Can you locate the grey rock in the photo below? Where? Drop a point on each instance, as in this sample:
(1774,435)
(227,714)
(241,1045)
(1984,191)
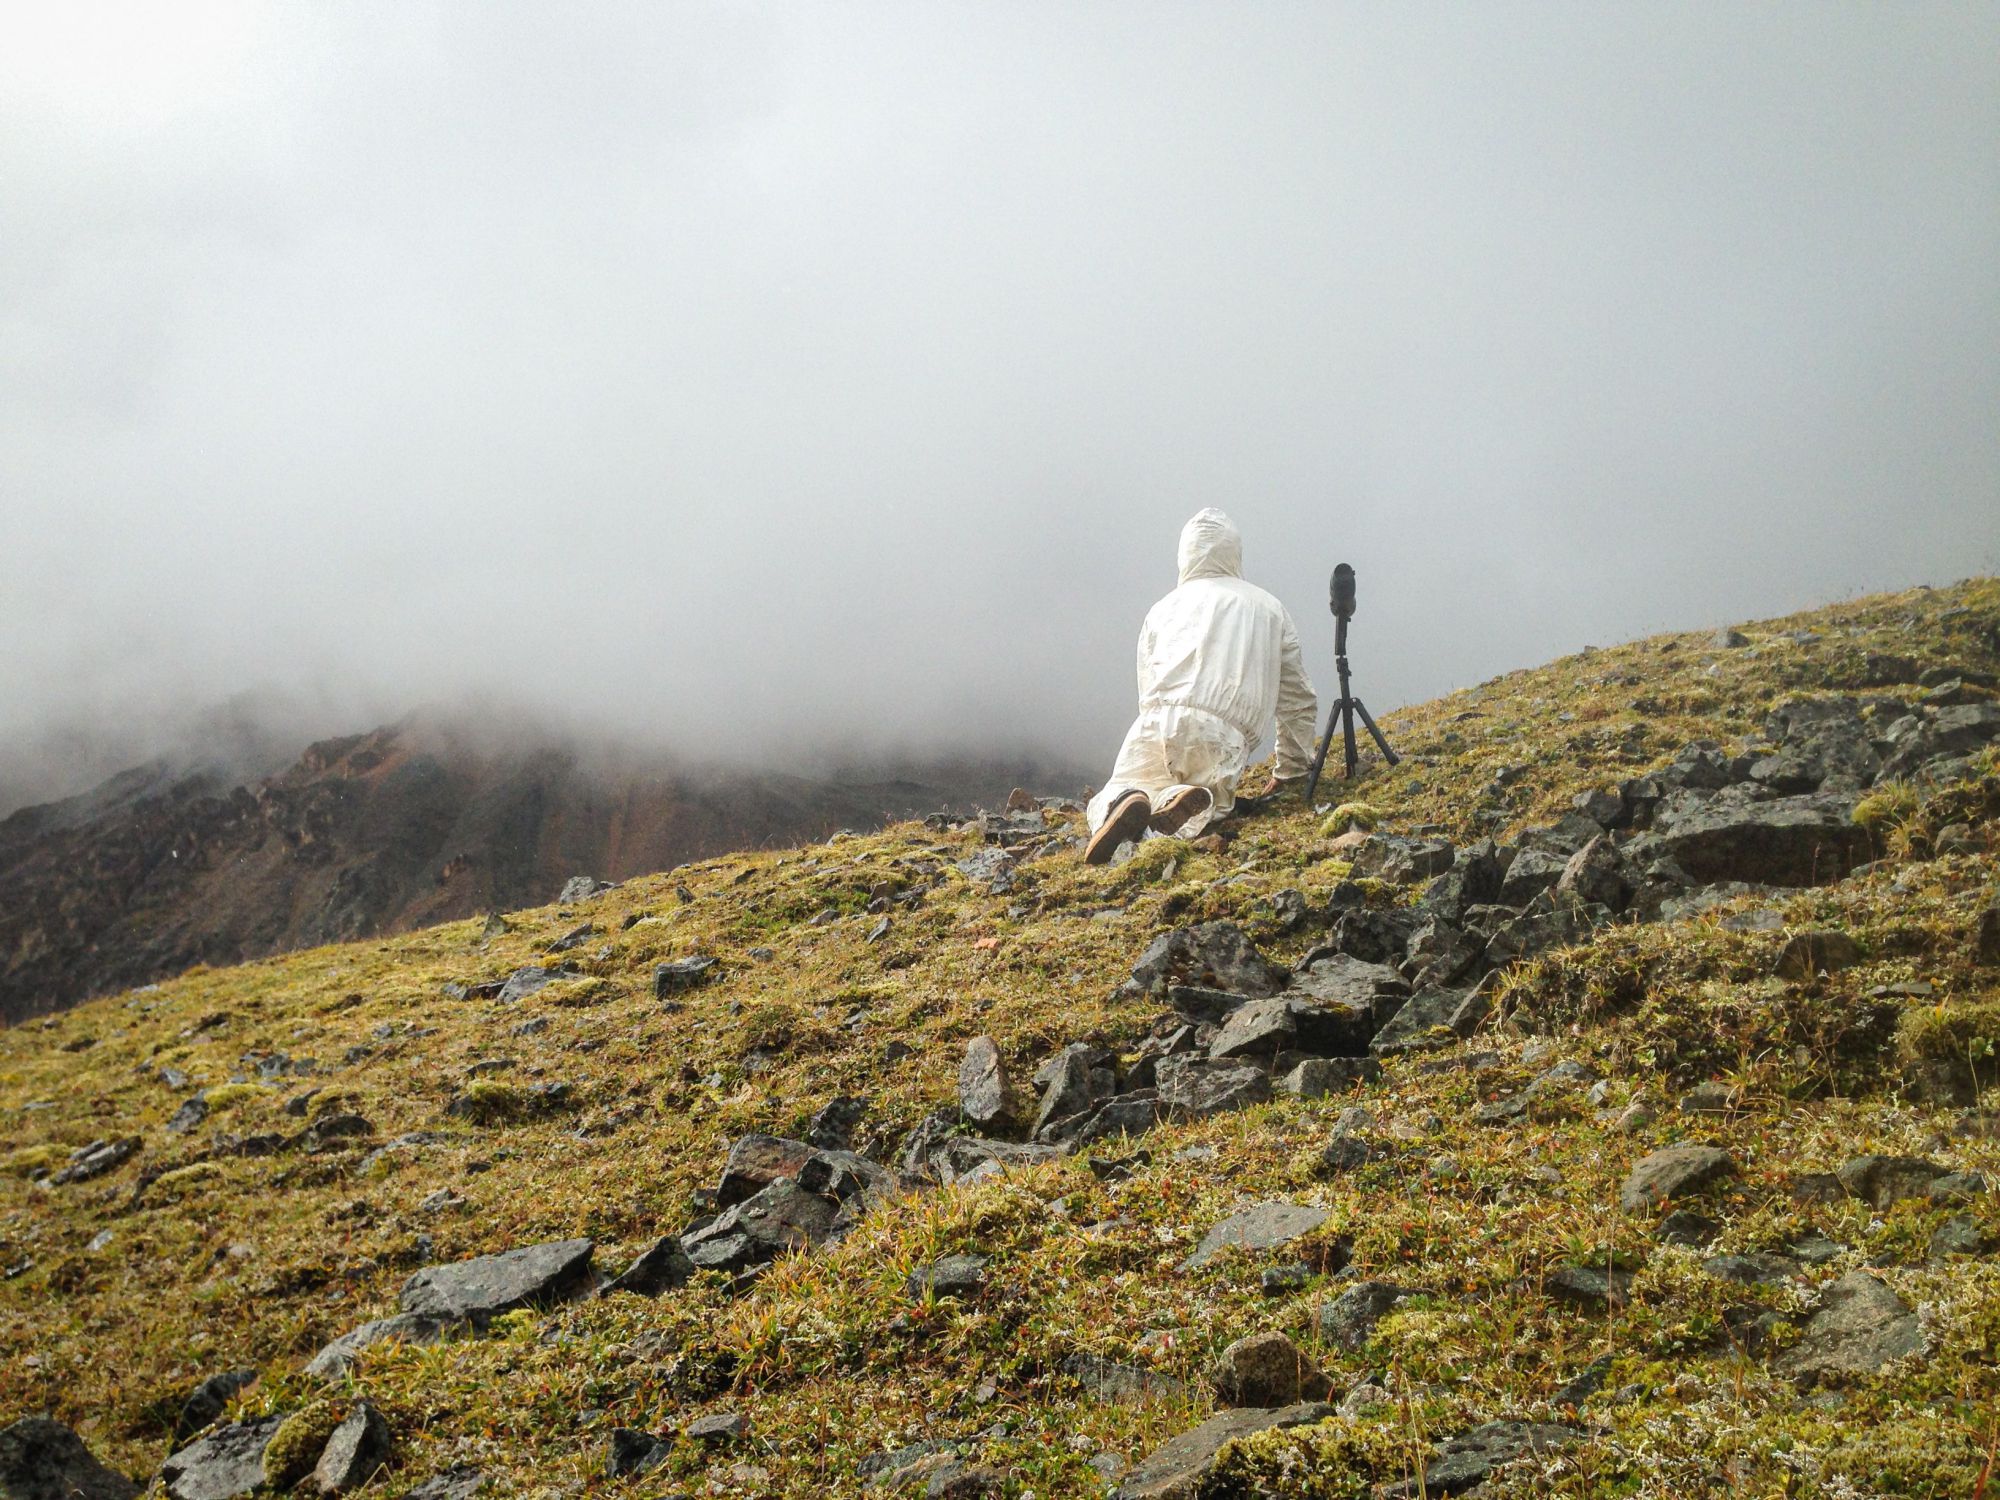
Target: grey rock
(207,1401)
(1317,1077)
(358,1448)
(223,1463)
(1547,1084)
(1861,1325)
(1193,1088)
(1961,1234)
(1586,1383)
(1599,874)
(1957,1187)
(1822,743)
(991,869)
(486,1286)
(96,1159)
(1202,1005)
(1108,1380)
(1401,861)
(40,1459)
(1261,1227)
(1429,1020)
(1729,640)
(1673,1172)
(1756,1269)
(985,1096)
(967,1153)
(628,1451)
(1594,1288)
(757,1161)
(340,1356)
(832,1128)
(682,974)
(1266,1369)
(524,982)
(1538,931)
(953,1276)
(1067,1092)
(663,1266)
(1882,1180)
(1786,841)
(193,1110)
(1471,1458)
(1376,936)
(1215,954)
(1821,952)
(1951,731)
(1175,1469)
(1532,872)
(719,1427)
(1348,1322)
(784,1218)
(459,1482)
(580,888)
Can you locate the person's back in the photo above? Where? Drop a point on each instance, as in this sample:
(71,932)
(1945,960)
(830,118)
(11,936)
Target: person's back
(1218,658)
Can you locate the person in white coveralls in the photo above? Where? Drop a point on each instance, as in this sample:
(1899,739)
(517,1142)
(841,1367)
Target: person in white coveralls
(1218,660)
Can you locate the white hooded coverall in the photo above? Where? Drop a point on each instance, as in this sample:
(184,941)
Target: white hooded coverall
(1218,659)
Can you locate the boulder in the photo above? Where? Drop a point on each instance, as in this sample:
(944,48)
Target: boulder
(459,1482)
(207,1400)
(338,1357)
(1822,743)
(223,1463)
(1758,1268)
(1067,1091)
(1469,1459)
(682,974)
(1961,1234)
(1532,872)
(1350,986)
(719,1427)
(1317,1077)
(964,1154)
(1880,1181)
(1593,1288)
(663,1266)
(480,1289)
(628,1451)
(1263,1226)
(1266,1369)
(757,1161)
(1175,1469)
(1263,1029)
(1129,1114)
(1599,874)
(985,1095)
(1215,954)
(1348,1322)
(832,1128)
(1785,841)
(1860,1326)
(953,1276)
(1376,936)
(1193,1088)
(1673,1172)
(1108,1380)
(781,1219)
(1431,1019)
(524,982)
(96,1159)
(41,1459)
(358,1448)
(1951,731)
(1400,861)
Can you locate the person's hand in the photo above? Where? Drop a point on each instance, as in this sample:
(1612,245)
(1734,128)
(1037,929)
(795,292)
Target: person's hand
(1269,789)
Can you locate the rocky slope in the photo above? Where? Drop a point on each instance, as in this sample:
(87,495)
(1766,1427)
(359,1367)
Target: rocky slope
(1600,1103)
(161,868)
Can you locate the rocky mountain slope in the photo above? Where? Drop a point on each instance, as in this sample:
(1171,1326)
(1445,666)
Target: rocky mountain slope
(1602,1102)
(163,867)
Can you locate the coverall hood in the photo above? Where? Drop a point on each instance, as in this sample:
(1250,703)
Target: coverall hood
(1211,547)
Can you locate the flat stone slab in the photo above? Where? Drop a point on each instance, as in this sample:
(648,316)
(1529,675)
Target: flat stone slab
(1174,1470)
(1861,1326)
(1262,1227)
(488,1285)
(338,1357)
(1673,1172)
(225,1462)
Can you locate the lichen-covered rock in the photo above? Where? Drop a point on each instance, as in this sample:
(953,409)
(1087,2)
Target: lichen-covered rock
(985,1094)
(1673,1172)
(222,1463)
(1349,1320)
(354,1452)
(1861,1325)
(1266,1369)
(486,1286)
(1263,1226)
(1174,1470)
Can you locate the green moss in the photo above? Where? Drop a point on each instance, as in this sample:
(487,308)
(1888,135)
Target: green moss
(296,1446)
(26,1161)
(229,1095)
(1347,816)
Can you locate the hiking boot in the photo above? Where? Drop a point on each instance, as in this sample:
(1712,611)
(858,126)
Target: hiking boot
(1174,814)
(1125,821)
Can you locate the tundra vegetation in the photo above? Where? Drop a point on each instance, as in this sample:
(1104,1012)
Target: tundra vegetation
(1641,1179)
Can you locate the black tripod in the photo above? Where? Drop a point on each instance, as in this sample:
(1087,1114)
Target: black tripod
(1347,705)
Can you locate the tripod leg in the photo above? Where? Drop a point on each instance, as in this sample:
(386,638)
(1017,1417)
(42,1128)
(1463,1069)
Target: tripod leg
(1387,754)
(1319,760)
(1347,707)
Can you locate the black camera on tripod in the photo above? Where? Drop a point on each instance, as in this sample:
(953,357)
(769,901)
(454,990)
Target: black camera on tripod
(1340,598)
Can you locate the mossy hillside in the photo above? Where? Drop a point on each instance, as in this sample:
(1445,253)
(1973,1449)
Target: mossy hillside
(220,1261)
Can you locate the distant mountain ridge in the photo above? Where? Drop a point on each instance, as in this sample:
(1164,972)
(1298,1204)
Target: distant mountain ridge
(162,867)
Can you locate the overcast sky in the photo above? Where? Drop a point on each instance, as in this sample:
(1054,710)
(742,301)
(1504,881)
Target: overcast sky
(759,377)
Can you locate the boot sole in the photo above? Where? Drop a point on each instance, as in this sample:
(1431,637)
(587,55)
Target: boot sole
(1127,821)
